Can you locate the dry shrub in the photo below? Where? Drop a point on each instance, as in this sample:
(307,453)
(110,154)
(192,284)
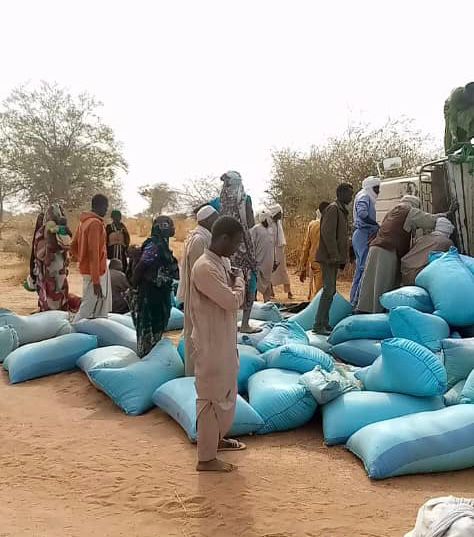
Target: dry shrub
(183,227)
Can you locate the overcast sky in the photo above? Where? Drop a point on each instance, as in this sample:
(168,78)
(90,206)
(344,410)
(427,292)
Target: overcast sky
(197,87)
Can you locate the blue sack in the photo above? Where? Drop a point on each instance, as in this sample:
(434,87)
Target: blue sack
(267,311)
(250,361)
(438,441)
(467,393)
(254,339)
(108,332)
(178,399)
(365,326)
(283,334)
(280,400)
(37,327)
(181,348)
(47,357)
(453,396)
(176,321)
(131,388)
(124,320)
(423,328)
(405,367)
(449,282)
(411,296)
(352,411)
(340,308)
(318,341)
(8,341)
(299,358)
(110,357)
(360,352)
(458,359)
(466,259)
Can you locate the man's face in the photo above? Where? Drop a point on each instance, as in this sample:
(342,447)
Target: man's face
(277,217)
(102,209)
(376,189)
(346,196)
(232,243)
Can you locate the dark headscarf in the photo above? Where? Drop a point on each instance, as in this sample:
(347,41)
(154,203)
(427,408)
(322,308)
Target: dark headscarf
(38,226)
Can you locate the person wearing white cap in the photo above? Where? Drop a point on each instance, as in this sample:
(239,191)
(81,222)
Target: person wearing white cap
(417,258)
(199,240)
(264,245)
(365,228)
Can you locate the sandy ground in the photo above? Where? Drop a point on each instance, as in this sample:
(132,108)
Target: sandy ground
(72,464)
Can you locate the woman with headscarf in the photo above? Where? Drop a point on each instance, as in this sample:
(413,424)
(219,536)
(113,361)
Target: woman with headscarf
(365,228)
(393,241)
(262,238)
(280,274)
(51,260)
(118,239)
(150,298)
(235,202)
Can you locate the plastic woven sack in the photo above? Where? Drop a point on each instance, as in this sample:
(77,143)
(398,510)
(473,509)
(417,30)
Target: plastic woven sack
(299,358)
(437,441)
(283,334)
(37,327)
(411,296)
(47,357)
(366,326)
(359,352)
(340,308)
(178,399)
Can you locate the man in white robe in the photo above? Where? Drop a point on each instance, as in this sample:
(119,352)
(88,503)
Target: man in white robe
(263,241)
(280,275)
(198,241)
(217,293)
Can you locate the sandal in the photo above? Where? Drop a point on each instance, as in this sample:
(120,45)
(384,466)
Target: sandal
(231,445)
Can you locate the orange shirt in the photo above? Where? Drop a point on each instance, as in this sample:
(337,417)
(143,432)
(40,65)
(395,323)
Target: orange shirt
(89,246)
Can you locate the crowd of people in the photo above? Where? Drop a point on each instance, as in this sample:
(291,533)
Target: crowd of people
(228,258)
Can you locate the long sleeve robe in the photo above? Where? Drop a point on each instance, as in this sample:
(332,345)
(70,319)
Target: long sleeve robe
(214,302)
(198,241)
(264,245)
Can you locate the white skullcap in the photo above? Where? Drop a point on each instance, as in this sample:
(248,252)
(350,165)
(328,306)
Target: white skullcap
(414,201)
(371,182)
(204,213)
(443,225)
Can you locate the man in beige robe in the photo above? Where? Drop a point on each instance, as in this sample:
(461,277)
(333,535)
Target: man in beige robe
(198,241)
(217,292)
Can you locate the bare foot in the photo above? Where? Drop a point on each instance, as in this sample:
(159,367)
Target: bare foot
(215,466)
(249,330)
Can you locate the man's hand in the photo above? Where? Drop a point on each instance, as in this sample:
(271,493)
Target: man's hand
(98,290)
(303,276)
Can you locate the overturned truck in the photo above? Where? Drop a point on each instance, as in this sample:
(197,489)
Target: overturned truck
(438,183)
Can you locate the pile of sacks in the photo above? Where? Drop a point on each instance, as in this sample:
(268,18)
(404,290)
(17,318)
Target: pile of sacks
(105,349)
(397,388)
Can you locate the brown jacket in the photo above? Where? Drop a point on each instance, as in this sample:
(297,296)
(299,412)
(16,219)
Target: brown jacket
(334,235)
(89,246)
(391,235)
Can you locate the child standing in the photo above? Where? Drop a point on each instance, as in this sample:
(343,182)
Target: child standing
(217,293)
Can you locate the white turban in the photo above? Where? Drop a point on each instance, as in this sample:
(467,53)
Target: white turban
(205,212)
(280,239)
(275,209)
(444,226)
(368,185)
(414,201)
(264,215)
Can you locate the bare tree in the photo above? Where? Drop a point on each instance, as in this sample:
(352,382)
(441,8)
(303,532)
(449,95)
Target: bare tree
(197,192)
(160,197)
(56,146)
